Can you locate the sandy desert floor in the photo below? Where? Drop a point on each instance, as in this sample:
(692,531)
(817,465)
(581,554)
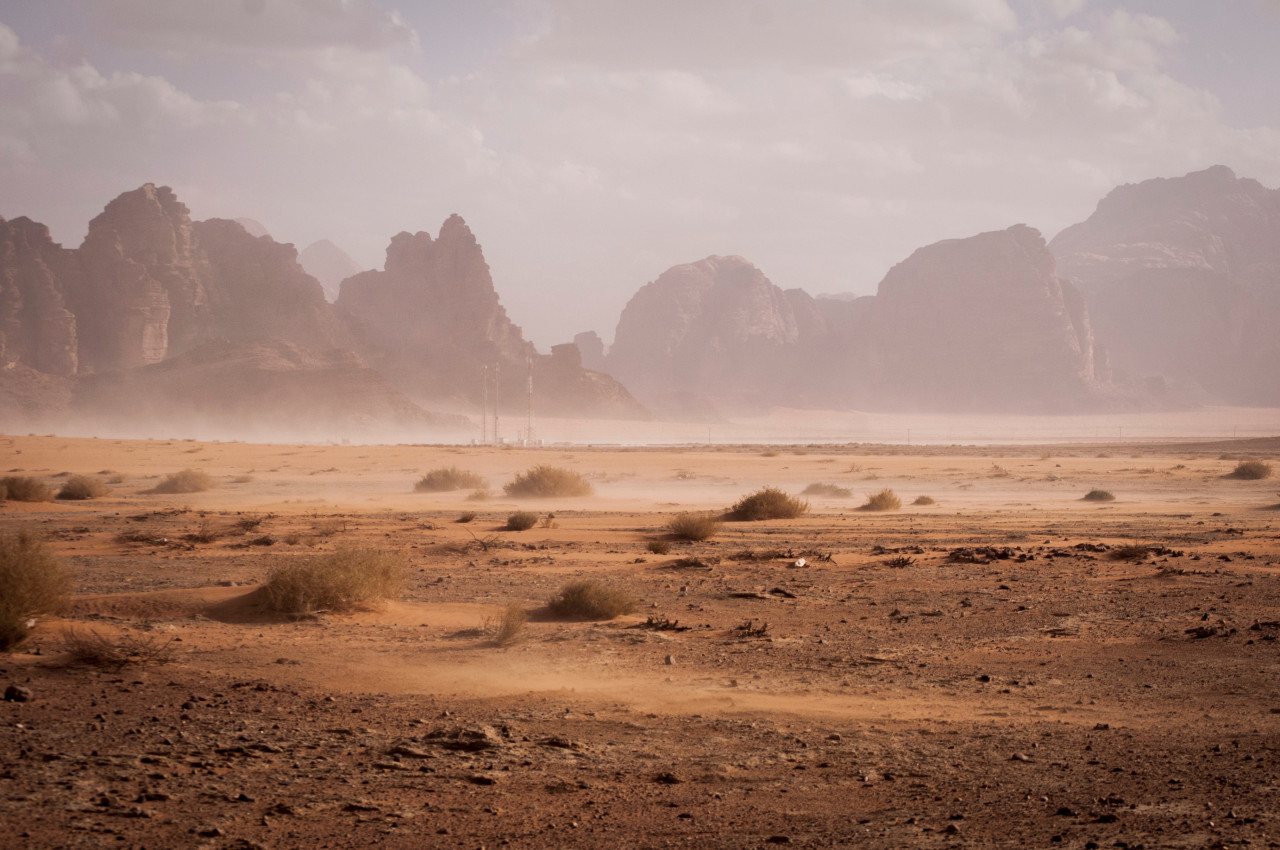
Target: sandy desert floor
(1009,666)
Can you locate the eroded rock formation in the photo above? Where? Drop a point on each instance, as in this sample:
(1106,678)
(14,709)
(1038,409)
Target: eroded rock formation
(1182,278)
(36,328)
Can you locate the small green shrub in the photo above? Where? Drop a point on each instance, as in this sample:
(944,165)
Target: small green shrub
(80,487)
(341,581)
(21,488)
(449,478)
(829,490)
(658,547)
(186,481)
(587,600)
(1099,496)
(768,503)
(542,482)
(885,500)
(521,521)
(32,581)
(923,500)
(692,526)
(1251,470)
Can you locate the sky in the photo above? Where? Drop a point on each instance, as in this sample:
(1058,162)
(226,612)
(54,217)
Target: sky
(592,144)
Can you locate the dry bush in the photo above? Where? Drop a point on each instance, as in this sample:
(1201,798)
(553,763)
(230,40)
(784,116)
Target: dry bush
(506,629)
(465,517)
(768,503)
(1251,470)
(1129,553)
(658,547)
(186,481)
(481,495)
(1099,496)
(587,600)
(693,526)
(32,581)
(829,490)
(885,500)
(21,488)
(96,650)
(546,481)
(80,487)
(923,500)
(449,478)
(344,580)
(521,521)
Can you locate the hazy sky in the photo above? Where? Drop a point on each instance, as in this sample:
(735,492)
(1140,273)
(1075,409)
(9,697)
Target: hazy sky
(591,144)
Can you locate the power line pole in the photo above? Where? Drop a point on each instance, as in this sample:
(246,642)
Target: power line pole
(528,428)
(484,410)
(496,375)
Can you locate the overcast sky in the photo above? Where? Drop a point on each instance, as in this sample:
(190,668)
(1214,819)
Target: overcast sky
(591,144)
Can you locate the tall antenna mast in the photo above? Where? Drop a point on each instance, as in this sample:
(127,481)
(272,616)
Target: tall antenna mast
(528,428)
(484,410)
(496,371)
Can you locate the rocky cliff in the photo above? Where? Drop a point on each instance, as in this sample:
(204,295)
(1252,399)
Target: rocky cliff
(36,328)
(983,323)
(329,264)
(432,322)
(1182,279)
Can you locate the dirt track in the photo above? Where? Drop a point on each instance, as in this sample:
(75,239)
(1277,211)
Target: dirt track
(1010,681)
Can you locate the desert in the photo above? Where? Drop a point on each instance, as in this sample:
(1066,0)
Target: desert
(1008,664)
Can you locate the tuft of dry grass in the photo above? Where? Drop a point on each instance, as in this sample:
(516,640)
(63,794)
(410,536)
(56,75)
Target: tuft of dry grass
(658,547)
(693,526)
(923,500)
(186,481)
(588,600)
(830,490)
(1099,496)
(521,521)
(344,580)
(544,481)
(1251,470)
(22,488)
(80,487)
(885,500)
(768,503)
(1129,553)
(481,495)
(466,516)
(508,628)
(96,650)
(449,478)
(32,581)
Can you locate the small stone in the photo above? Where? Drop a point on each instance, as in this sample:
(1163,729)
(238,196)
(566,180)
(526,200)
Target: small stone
(778,839)
(669,660)
(17,693)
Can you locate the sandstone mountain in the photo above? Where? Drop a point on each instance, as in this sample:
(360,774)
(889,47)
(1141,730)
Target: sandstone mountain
(431,321)
(36,328)
(983,323)
(1182,278)
(329,264)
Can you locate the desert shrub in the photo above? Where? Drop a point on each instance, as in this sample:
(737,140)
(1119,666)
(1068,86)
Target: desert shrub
(1251,470)
(587,600)
(449,478)
(521,521)
(885,500)
(186,481)
(829,490)
(96,650)
(341,581)
(923,500)
(465,517)
(1099,496)
(691,526)
(21,488)
(1129,553)
(32,581)
(506,629)
(658,547)
(79,487)
(768,503)
(545,481)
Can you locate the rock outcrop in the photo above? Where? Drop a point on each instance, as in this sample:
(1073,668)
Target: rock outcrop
(983,323)
(432,322)
(36,328)
(1182,278)
(329,264)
